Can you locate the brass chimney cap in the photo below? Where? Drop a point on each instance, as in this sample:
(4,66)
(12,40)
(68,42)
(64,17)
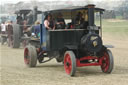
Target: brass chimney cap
(90,6)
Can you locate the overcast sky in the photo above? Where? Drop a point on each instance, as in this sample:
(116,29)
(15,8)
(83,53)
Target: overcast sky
(15,1)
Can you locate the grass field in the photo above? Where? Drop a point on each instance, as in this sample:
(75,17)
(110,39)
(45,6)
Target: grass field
(115,27)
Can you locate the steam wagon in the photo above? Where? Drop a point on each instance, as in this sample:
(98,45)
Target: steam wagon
(76,45)
(25,21)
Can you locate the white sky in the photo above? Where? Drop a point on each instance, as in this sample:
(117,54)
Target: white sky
(15,1)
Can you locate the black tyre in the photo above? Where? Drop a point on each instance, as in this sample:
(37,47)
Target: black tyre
(30,56)
(107,62)
(16,36)
(70,63)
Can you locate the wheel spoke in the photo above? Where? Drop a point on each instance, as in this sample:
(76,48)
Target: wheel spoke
(67,63)
(106,62)
(26,56)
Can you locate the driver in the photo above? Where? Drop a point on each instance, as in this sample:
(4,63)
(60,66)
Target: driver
(79,19)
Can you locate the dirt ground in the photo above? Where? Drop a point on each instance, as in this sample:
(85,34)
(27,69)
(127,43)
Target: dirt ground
(14,72)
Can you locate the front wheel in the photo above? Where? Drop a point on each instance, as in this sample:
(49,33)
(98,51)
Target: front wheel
(30,56)
(107,62)
(70,63)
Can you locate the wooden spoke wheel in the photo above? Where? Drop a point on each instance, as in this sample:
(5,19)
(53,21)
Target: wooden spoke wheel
(30,56)
(107,62)
(70,63)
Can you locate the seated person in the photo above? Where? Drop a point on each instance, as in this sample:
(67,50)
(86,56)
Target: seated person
(60,23)
(70,26)
(78,19)
(49,23)
(84,25)
(26,29)
(37,29)
(25,26)
(30,18)
(19,19)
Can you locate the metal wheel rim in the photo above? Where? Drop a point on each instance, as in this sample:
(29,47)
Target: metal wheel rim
(26,56)
(105,62)
(68,64)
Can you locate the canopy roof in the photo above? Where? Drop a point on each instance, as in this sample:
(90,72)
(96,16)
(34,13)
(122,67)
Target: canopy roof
(74,8)
(70,12)
(25,11)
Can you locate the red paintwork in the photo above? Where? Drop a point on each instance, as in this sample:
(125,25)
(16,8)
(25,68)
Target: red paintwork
(105,64)
(89,64)
(26,54)
(67,59)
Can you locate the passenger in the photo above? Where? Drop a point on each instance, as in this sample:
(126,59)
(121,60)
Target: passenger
(37,29)
(49,23)
(26,29)
(79,19)
(30,18)
(60,23)
(19,19)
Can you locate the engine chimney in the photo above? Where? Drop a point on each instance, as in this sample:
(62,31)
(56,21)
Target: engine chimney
(91,8)
(35,10)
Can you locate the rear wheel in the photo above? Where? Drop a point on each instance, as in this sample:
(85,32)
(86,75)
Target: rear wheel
(30,56)
(16,36)
(70,63)
(107,62)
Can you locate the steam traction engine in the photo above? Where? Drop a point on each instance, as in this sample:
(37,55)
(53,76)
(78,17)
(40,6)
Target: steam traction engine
(74,47)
